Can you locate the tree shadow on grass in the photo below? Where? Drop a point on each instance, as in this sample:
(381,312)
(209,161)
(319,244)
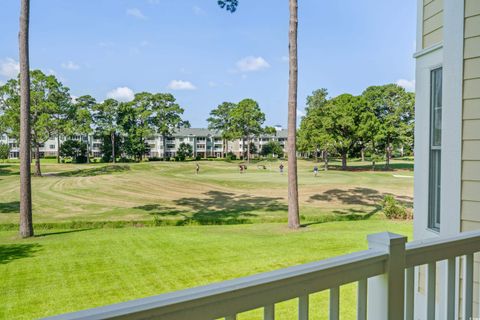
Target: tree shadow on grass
(370,199)
(5,170)
(45,234)
(10,207)
(93,171)
(216,208)
(11,252)
(358,196)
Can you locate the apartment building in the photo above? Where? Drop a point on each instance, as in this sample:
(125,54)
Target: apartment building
(205,143)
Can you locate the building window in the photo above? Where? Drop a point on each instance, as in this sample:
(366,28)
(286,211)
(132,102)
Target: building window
(435,149)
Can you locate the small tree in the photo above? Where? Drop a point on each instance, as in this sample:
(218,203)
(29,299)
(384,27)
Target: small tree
(247,120)
(4,151)
(106,120)
(272,148)
(184,151)
(75,149)
(221,120)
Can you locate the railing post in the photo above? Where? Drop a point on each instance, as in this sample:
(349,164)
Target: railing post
(386,292)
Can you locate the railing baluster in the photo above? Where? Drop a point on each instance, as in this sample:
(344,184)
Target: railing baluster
(431,282)
(409,293)
(468,286)
(450,290)
(362,300)
(269,312)
(334,313)
(303,307)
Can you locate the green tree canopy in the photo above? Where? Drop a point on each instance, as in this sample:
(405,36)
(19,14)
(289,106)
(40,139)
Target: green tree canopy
(341,121)
(272,148)
(75,149)
(393,107)
(166,115)
(49,101)
(106,121)
(4,151)
(247,120)
(184,151)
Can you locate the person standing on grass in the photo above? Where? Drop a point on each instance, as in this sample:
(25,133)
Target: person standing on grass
(281,167)
(315,170)
(197,168)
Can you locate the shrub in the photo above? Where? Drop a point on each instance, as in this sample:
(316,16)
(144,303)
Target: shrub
(393,209)
(231,156)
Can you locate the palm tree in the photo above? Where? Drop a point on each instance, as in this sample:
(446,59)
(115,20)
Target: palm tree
(293,212)
(26,225)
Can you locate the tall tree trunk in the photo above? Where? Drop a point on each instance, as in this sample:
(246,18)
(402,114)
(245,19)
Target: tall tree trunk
(224,146)
(344,161)
(362,152)
(26,224)
(325,159)
(38,171)
(112,137)
(165,147)
(88,148)
(293,210)
(58,148)
(388,156)
(243,148)
(248,149)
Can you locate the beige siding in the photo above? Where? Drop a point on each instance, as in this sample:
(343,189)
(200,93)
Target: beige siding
(471,119)
(432,22)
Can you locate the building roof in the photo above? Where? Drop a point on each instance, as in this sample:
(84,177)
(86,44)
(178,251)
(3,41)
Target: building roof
(198,132)
(203,132)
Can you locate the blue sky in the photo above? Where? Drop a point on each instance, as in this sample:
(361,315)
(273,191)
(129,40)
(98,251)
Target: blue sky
(204,56)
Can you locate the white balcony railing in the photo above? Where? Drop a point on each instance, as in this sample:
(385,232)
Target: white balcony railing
(384,274)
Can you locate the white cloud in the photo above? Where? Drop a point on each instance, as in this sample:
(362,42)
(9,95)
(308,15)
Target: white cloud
(73,98)
(9,68)
(181,85)
(136,13)
(409,85)
(300,113)
(70,65)
(124,94)
(251,63)
(198,11)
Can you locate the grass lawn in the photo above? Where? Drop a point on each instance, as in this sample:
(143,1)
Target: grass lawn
(170,193)
(61,271)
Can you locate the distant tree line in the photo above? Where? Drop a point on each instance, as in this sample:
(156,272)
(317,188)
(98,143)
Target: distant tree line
(124,126)
(244,121)
(375,123)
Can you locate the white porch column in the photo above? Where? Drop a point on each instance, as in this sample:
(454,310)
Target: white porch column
(386,292)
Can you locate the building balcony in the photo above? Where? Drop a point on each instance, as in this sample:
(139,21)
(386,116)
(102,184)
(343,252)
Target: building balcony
(385,277)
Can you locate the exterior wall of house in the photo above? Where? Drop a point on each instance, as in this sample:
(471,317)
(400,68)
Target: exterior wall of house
(432,29)
(470,195)
(471,119)
(457,51)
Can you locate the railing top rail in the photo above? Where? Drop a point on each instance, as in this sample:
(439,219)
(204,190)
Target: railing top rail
(437,249)
(247,293)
